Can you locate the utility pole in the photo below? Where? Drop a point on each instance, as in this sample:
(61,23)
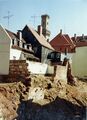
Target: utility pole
(8,17)
(34,18)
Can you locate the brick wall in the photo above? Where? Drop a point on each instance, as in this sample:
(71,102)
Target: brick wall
(17,71)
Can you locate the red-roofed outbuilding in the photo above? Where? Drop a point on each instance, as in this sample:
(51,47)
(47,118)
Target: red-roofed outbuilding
(63,43)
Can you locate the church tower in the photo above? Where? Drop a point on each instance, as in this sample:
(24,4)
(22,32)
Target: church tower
(45,26)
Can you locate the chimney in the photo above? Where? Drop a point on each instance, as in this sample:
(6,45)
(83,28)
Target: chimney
(19,33)
(61,31)
(82,36)
(39,29)
(75,36)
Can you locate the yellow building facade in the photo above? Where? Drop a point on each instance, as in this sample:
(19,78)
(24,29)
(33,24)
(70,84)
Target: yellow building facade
(79,62)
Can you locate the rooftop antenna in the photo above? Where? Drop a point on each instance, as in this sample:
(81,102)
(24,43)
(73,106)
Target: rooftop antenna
(34,18)
(8,17)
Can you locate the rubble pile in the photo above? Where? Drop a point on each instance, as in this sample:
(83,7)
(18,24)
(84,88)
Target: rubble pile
(11,95)
(42,98)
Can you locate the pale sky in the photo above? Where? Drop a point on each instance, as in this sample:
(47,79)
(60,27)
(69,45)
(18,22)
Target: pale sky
(69,15)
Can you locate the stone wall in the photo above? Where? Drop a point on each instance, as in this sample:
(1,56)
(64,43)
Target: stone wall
(60,73)
(17,71)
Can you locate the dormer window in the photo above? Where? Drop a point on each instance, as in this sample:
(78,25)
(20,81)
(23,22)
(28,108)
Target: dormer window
(23,45)
(18,43)
(12,41)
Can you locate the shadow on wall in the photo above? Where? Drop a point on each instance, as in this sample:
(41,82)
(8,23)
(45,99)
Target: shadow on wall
(59,109)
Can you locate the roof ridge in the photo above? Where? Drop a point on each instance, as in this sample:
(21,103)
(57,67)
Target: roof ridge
(13,35)
(41,39)
(70,40)
(54,37)
(66,39)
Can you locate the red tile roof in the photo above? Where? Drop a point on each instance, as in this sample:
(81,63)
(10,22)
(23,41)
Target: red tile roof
(69,40)
(79,38)
(80,41)
(41,39)
(62,42)
(81,44)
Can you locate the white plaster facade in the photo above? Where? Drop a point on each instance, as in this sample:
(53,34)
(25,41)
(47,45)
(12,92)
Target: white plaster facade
(36,67)
(4,51)
(16,54)
(39,68)
(69,56)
